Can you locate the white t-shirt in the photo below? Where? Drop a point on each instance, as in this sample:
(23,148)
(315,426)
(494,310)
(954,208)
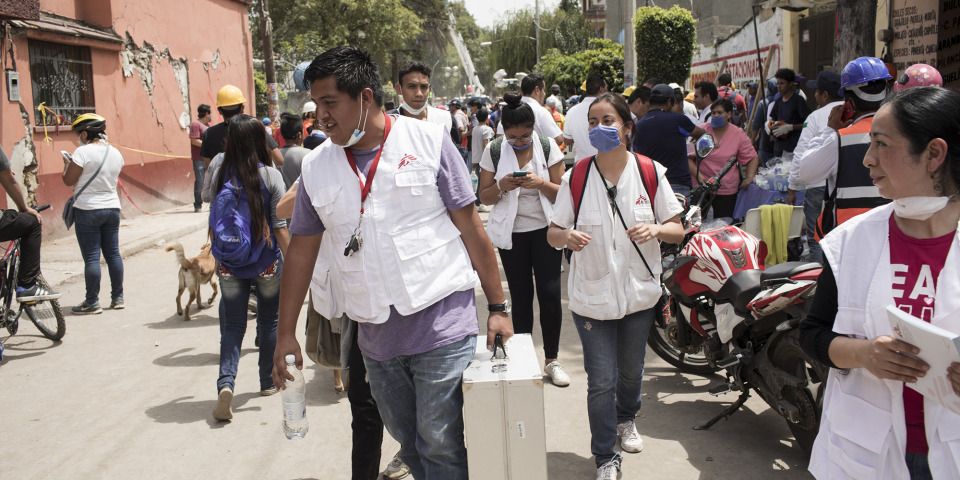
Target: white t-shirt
(480,133)
(102,191)
(543,120)
(441,117)
(577,128)
(530,215)
(690,109)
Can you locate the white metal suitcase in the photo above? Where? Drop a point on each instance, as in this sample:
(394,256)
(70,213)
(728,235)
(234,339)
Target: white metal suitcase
(503,417)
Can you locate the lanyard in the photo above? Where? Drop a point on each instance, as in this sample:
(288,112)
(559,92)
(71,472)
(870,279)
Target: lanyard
(365,187)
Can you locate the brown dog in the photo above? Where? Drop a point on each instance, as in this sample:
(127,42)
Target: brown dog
(194,272)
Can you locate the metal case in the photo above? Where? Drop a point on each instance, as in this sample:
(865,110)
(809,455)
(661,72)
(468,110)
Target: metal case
(503,416)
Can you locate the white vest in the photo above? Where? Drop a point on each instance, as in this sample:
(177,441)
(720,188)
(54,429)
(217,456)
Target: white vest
(412,255)
(608,279)
(863,433)
(504,212)
(326,292)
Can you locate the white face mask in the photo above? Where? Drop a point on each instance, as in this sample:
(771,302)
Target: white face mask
(413,111)
(920,208)
(357,133)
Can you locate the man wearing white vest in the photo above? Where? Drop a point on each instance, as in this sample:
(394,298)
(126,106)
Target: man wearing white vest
(394,194)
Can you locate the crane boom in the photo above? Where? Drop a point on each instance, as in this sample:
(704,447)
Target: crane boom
(464,54)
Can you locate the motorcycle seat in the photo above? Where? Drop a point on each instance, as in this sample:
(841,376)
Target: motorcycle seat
(787,270)
(741,288)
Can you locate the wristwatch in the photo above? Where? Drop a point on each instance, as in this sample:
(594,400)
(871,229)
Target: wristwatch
(499,307)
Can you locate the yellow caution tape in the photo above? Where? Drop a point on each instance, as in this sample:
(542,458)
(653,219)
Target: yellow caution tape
(148,153)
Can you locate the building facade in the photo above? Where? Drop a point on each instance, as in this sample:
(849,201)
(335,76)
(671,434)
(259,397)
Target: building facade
(145,66)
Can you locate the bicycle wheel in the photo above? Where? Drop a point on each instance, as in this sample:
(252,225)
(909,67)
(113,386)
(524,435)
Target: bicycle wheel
(46,315)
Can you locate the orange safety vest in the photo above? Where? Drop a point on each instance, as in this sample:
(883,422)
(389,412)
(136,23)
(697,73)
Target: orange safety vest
(853,190)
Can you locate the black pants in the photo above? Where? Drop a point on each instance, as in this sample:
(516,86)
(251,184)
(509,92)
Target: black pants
(367,425)
(531,256)
(26,227)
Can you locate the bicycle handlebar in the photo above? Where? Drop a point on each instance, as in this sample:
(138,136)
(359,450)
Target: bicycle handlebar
(42,207)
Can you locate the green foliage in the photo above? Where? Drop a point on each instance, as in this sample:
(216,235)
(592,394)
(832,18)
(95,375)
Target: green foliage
(603,57)
(666,42)
(514,48)
(260,90)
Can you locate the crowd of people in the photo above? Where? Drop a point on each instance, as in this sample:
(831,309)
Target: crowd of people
(877,161)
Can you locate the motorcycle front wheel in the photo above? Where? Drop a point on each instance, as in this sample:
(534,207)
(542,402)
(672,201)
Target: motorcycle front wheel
(788,356)
(663,341)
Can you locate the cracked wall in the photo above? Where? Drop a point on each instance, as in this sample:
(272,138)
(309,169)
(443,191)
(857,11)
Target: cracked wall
(23,158)
(139,59)
(183,82)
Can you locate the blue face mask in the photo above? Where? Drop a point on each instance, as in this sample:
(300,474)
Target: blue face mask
(718,121)
(605,138)
(522,147)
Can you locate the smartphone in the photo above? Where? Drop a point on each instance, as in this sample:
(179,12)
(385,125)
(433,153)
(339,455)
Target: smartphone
(520,173)
(66,156)
(848,111)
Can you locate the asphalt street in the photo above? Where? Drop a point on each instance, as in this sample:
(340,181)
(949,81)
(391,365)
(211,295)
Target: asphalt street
(130,394)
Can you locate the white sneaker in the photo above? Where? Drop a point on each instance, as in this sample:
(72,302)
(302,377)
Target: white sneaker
(555,371)
(608,471)
(224,399)
(630,440)
(396,469)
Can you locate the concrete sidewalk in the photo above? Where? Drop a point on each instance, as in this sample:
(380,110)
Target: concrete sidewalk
(61,260)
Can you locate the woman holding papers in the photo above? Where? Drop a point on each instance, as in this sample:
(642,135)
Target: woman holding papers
(905,254)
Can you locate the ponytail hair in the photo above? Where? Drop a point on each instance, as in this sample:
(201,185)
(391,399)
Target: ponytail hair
(516,113)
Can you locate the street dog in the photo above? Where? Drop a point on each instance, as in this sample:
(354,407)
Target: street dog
(193,273)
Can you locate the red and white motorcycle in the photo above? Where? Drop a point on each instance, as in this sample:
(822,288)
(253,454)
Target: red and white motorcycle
(727,312)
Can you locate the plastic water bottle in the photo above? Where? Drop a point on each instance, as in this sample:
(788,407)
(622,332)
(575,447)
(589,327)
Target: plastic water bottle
(294,402)
(473,179)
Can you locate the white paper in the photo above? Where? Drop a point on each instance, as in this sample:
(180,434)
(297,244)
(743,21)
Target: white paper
(938,347)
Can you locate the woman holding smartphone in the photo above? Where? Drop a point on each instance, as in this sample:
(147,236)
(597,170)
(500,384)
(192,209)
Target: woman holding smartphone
(614,231)
(519,176)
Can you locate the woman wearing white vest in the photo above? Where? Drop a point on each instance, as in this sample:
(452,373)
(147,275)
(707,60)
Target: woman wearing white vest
(522,206)
(903,254)
(612,293)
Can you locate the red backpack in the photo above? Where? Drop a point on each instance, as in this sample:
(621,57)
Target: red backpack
(581,170)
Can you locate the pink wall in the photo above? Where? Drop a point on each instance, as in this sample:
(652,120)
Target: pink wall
(195,31)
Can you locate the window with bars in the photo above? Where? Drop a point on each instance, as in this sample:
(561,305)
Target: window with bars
(62,78)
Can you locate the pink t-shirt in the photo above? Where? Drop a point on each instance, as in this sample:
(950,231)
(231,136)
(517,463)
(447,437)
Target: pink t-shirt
(734,143)
(196,131)
(915,265)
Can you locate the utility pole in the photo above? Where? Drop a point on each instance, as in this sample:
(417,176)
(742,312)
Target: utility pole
(273,97)
(627,9)
(536,22)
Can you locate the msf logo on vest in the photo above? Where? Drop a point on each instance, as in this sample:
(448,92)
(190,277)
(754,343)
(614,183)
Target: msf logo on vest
(409,160)
(641,200)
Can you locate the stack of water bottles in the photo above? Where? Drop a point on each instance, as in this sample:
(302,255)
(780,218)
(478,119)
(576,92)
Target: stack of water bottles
(774,176)
(294,400)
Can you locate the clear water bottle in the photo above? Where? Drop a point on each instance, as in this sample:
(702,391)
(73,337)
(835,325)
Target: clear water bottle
(473,179)
(294,402)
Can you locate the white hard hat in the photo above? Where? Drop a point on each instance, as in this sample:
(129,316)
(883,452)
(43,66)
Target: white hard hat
(309,107)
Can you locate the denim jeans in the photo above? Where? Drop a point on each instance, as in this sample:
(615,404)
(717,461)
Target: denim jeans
(613,352)
(421,402)
(812,206)
(234,293)
(918,467)
(198,171)
(681,189)
(99,231)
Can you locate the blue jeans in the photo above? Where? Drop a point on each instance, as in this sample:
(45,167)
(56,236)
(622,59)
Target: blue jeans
(812,206)
(421,402)
(613,352)
(99,231)
(198,171)
(234,293)
(918,467)
(681,189)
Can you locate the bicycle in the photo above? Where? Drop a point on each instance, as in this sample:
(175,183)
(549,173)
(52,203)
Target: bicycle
(45,314)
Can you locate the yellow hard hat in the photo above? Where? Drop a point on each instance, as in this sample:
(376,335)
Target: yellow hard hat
(230,95)
(629,90)
(689,97)
(584,86)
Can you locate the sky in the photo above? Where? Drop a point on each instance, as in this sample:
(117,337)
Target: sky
(487,12)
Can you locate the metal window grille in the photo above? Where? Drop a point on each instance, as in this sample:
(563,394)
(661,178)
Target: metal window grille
(62,78)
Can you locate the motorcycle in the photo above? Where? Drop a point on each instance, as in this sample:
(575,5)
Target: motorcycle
(727,312)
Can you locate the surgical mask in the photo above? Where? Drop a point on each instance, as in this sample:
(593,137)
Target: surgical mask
(521,147)
(357,133)
(605,138)
(413,111)
(717,121)
(919,207)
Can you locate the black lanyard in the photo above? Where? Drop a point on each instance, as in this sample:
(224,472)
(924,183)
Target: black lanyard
(612,195)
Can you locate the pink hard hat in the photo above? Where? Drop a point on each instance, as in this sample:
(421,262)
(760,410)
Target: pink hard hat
(918,75)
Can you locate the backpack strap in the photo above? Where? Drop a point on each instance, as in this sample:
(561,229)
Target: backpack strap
(495,146)
(648,173)
(578,181)
(544,145)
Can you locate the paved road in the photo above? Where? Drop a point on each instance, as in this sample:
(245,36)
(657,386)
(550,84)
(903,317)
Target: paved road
(130,394)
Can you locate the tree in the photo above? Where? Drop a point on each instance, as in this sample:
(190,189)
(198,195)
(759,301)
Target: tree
(513,48)
(856,21)
(603,57)
(666,42)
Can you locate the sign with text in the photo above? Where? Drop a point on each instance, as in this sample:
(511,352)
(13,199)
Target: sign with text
(914,32)
(948,45)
